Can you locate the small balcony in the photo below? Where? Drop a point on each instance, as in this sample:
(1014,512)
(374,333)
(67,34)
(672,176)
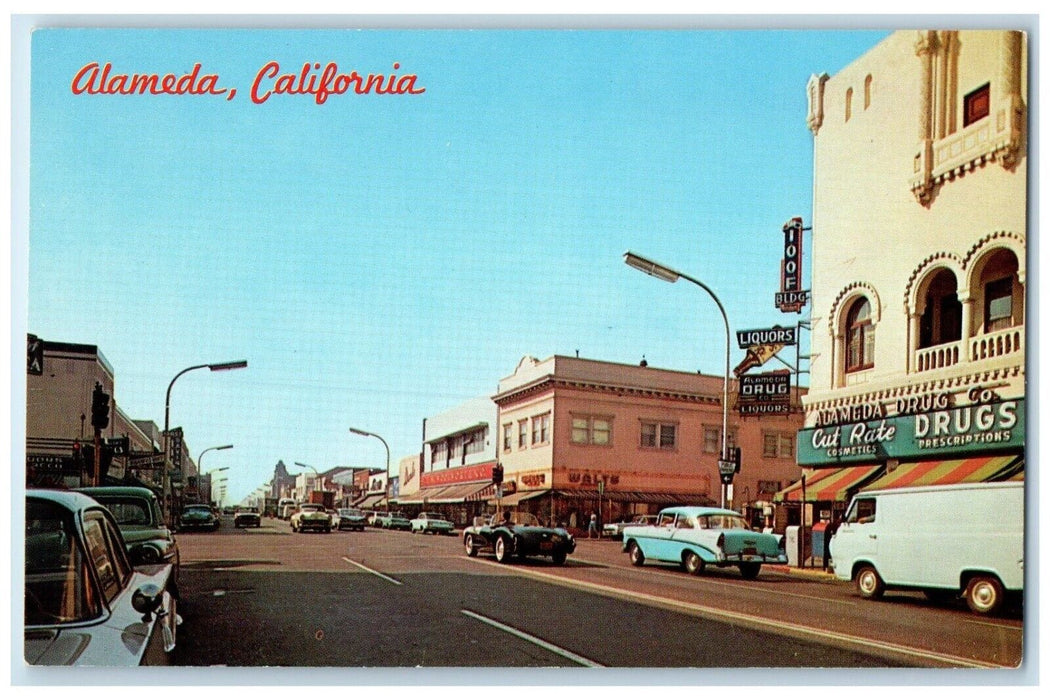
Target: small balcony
(938,357)
(1008,341)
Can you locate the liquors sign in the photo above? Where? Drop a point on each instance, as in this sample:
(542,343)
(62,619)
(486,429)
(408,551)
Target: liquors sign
(975,428)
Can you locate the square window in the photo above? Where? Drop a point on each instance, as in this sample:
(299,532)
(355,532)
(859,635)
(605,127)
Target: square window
(976,105)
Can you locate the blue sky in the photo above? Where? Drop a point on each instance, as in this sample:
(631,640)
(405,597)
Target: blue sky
(379,259)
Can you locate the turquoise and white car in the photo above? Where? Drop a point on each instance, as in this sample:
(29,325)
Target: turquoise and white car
(695,537)
(431,522)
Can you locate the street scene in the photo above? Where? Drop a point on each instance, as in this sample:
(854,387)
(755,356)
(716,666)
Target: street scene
(361,348)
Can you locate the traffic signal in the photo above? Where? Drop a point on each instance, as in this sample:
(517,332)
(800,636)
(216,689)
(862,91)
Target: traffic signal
(497,474)
(99,408)
(736,459)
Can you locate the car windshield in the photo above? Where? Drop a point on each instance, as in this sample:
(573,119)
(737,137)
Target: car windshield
(248,510)
(197,510)
(310,509)
(350,512)
(58,588)
(127,512)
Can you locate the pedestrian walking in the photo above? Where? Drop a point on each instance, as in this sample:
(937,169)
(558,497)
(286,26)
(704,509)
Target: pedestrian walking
(592,528)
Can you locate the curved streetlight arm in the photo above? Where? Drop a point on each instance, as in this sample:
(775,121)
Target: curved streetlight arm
(725,383)
(667,274)
(365,433)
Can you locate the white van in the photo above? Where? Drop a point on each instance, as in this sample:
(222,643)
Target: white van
(943,540)
(285,508)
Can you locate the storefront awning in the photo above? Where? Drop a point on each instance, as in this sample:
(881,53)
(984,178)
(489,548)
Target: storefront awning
(514,499)
(951,471)
(456,493)
(639,497)
(829,484)
(370,501)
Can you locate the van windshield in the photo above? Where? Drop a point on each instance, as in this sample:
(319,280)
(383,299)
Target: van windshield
(862,511)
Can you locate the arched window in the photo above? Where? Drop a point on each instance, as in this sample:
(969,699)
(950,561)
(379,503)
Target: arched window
(849,103)
(941,321)
(860,337)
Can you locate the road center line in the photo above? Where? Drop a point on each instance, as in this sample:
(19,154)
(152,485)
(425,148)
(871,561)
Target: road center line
(777,626)
(372,571)
(583,661)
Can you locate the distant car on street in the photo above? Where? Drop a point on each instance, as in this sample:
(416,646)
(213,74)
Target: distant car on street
(333,516)
(519,534)
(85,605)
(311,516)
(394,520)
(352,519)
(695,536)
(137,512)
(198,516)
(247,516)
(615,530)
(431,522)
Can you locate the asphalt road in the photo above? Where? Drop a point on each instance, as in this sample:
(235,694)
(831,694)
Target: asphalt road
(268,597)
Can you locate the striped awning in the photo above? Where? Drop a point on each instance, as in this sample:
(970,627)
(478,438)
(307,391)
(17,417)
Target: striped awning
(951,471)
(829,484)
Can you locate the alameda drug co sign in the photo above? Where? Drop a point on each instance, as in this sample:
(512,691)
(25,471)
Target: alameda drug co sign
(974,428)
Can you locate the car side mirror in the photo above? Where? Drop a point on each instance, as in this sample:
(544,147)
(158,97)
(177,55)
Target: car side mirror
(147,600)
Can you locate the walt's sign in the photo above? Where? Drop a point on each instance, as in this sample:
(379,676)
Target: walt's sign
(968,429)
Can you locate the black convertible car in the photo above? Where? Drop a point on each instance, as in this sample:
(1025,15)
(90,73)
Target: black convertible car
(517,534)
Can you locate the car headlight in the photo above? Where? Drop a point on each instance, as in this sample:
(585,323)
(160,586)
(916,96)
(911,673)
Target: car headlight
(146,554)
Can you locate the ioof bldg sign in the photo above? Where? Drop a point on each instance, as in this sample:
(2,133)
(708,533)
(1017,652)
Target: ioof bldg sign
(791,296)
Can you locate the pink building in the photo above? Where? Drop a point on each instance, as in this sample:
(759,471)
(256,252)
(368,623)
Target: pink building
(578,436)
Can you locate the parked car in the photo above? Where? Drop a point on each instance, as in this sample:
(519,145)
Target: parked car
(311,516)
(431,522)
(229,510)
(198,516)
(373,517)
(394,520)
(333,517)
(352,519)
(615,530)
(946,541)
(695,536)
(517,534)
(247,516)
(85,604)
(137,512)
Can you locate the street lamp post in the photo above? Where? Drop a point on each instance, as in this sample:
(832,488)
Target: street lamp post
(668,274)
(317,475)
(365,433)
(214,367)
(213,471)
(219,447)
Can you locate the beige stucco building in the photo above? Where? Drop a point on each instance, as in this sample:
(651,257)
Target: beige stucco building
(576,435)
(918,260)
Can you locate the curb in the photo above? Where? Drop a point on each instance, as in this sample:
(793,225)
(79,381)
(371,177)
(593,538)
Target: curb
(805,573)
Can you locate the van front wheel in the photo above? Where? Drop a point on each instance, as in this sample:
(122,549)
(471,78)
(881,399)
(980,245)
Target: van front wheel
(984,594)
(868,582)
